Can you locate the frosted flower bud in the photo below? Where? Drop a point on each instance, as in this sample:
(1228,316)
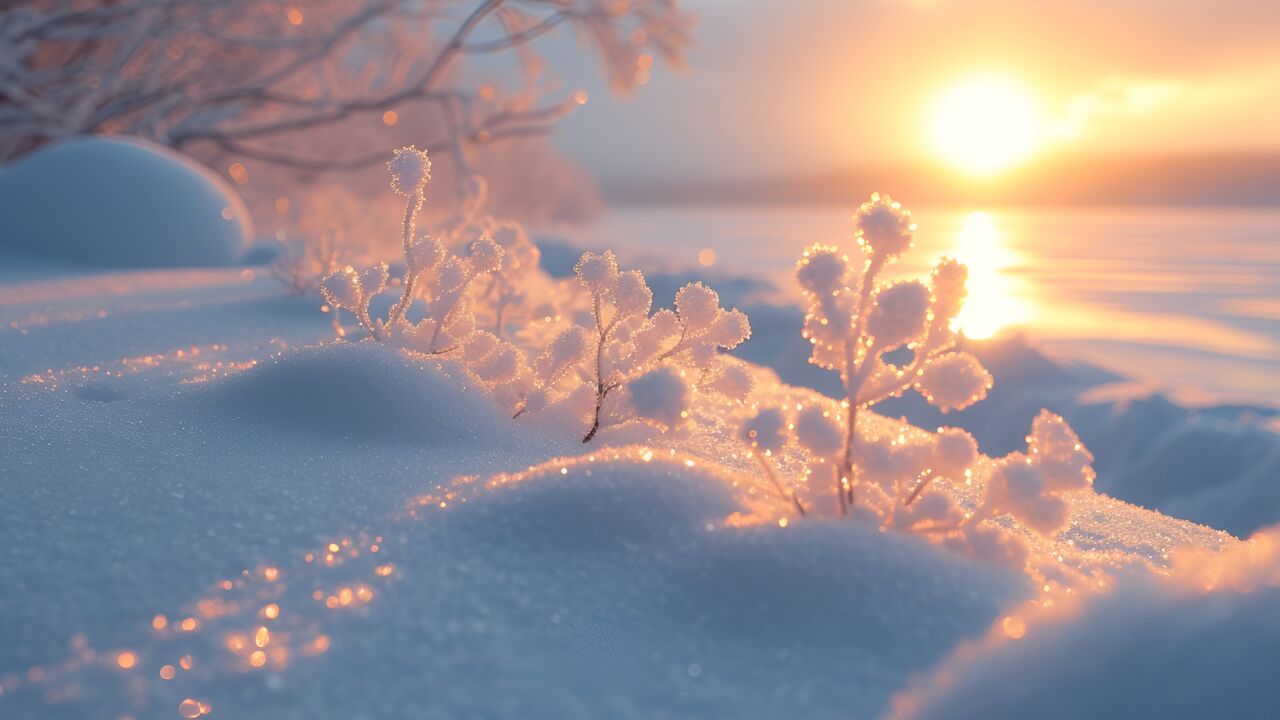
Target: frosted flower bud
(954,452)
(1063,460)
(702,353)
(410,170)
(486,255)
(597,272)
(899,313)
(562,353)
(501,365)
(822,270)
(730,328)
(425,253)
(949,277)
(910,459)
(661,396)
(460,323)
(479,346)
(766,431)
(954,381)
(818,433)
(631,294)
(733,379)
(697,305)
(658,334)
(341,289)
(885,226)
(452,273)
(418,337)
(932,505)
(374,279)
(1018,488)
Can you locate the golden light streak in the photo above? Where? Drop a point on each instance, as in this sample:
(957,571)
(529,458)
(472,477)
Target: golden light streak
(993,300)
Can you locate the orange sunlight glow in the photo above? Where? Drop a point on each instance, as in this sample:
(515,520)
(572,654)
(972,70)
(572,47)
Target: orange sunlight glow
(984,125)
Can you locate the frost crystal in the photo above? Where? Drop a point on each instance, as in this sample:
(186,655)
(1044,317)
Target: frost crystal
(884,226)
(410,170)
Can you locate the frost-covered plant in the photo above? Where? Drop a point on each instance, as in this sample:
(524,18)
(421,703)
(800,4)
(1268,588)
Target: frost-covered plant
(506,289)
(562,355)
(899,494)
(446,282)
(629,343)
(1033,487)
(853,320)
(303,263)
(429,269)
(766,433)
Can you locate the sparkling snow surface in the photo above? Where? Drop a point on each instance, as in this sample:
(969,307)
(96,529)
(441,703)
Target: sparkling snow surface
(201,510)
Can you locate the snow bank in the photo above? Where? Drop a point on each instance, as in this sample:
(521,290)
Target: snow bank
(1199,644)
(123,203)
(359,391)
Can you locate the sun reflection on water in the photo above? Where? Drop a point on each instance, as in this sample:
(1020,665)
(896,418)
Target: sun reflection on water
(996,299)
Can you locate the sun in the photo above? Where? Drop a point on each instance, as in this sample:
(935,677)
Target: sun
(985,125)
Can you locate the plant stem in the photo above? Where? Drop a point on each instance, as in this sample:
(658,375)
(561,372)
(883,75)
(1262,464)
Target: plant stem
(601,389)
(411,207)
(919,487)
(773,477)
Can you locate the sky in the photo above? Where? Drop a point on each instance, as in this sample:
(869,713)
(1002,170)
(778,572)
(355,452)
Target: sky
(785,87)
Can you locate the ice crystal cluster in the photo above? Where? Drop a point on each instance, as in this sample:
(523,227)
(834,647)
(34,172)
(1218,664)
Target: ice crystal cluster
(853,320)
(623,361)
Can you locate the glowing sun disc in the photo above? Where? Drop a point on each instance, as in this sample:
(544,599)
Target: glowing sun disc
(985,125)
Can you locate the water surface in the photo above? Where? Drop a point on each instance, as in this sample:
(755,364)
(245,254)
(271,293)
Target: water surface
(1185,300)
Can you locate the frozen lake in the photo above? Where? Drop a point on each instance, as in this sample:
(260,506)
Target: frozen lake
(1186,300)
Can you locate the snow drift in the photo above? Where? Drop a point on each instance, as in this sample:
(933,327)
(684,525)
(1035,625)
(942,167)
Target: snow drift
(1198,644)
(360,391)
(122,203)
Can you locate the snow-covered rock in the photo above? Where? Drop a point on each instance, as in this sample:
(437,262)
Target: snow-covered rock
(120,202)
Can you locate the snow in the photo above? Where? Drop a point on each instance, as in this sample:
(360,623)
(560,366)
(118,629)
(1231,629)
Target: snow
(360,392)
(172,434)
(122,203)
(1200,643)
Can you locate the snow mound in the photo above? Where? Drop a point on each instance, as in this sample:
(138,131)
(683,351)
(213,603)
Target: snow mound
(1201,643)
(623,588)
(360,391)
(122,203)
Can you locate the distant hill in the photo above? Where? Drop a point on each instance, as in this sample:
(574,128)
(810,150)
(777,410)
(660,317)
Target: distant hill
(1242,179)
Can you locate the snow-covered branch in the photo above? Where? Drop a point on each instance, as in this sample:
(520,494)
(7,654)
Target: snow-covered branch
(248,77)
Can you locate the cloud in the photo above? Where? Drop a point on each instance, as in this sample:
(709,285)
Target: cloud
(1114,97)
